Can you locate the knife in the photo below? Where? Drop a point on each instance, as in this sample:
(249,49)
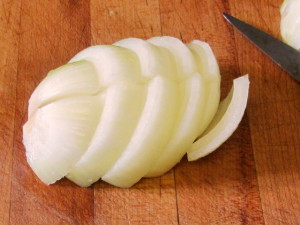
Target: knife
(285,56)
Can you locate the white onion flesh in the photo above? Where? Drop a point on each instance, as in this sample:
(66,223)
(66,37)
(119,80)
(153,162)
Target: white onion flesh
(112,63)
(186,126)
(64,82)
(150,137)
(154,61)
(208,68)
(58,134)
(129,110)
(225,122)
(114,131)
(184,60)
(290,22)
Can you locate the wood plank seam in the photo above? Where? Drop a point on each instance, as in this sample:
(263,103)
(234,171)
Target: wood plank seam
(177,208)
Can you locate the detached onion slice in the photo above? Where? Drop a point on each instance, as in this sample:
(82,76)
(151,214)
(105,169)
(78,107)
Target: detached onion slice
(225,122)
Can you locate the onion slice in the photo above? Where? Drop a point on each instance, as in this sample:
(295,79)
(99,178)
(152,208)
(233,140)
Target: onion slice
(208,67)
(63,82)
(184,60)
(121,111)
(57,135)
(150,136)
(112,63)
(191,110)
(154,60)
(290,22)
(225,122)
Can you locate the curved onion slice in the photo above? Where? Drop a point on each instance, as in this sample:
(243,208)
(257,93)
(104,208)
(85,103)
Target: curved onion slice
(194,120)
(154,60)
(57,135)
(185,62)
(151,135)
(209,69)
(63,82)
(122,109)
(225,122)
(187,122)
(112,63)
(290,22)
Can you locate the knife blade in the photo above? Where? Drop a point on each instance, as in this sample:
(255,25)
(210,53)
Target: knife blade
(284,55)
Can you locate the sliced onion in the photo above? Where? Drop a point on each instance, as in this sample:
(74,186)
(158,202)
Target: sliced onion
(225,122)
(201,99)
(57,135)
(63,82)
(189,117)
(129,110)
(112,63)
(209,69)
(122,109)
(154,60)
(185,62)
(151,135)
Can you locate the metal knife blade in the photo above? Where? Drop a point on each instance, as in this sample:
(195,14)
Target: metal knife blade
(285,56)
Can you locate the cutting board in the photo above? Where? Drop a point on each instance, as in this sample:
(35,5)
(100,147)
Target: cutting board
(253,178)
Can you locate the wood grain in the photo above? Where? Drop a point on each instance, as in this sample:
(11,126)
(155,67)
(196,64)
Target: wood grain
(253,178)
(154,200)
(9,25)
(50,33)
(274,119)
(224,182)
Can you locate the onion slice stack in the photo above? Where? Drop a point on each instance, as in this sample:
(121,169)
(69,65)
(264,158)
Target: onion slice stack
(129,110)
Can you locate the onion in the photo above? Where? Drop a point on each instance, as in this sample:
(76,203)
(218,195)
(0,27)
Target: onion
(225,122)
(114,131)
(290,22)
(129,110)
(57,135)
(64,82)
(150,136)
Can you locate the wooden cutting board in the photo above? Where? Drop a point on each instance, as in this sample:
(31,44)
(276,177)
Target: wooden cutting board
(252,179)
